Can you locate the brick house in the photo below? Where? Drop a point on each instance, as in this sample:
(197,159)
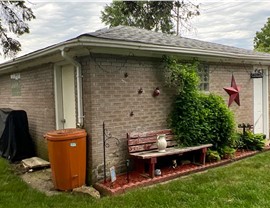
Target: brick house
(95,78)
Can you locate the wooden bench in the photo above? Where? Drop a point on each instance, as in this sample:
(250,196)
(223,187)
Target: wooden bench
(143,149)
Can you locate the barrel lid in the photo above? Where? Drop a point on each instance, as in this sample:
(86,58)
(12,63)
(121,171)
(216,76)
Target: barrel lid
(65,134)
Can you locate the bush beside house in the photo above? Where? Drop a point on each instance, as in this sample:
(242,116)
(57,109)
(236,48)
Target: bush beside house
(200,118)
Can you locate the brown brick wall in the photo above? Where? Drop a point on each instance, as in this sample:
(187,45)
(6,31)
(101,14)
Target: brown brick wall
(37,99)
(220,76)
(110,97)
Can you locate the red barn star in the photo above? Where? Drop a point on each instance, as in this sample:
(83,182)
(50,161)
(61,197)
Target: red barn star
(233,91)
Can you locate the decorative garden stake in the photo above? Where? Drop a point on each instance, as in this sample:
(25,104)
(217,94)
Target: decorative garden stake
(233,92)
(244,127)
(107,136)
(113,175)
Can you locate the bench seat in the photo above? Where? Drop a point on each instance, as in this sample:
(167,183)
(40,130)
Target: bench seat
(143,149)
(169,151)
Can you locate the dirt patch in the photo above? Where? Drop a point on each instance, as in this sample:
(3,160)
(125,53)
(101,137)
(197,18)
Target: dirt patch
(40,180)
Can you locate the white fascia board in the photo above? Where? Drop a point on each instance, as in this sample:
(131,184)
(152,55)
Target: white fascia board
(170,49)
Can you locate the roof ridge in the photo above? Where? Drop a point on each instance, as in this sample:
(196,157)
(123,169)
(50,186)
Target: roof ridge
(101,31)
(140,35)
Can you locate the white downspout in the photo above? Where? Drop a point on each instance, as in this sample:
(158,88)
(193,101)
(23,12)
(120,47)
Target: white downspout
(80,115)
(266,103)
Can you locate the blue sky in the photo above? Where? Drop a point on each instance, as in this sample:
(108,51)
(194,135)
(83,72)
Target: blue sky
(227,22)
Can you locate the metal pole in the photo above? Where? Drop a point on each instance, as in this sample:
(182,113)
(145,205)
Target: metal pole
(104,153)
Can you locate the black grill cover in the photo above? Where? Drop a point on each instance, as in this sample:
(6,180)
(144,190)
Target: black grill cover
(15,141)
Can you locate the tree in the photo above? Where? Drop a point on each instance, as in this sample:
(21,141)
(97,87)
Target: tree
(150,15)
(262,39)
(14,15)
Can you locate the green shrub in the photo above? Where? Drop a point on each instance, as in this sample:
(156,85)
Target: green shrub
(202,119)
(252,141)
(212,155)
(227,152)
(237,141)
(197,118)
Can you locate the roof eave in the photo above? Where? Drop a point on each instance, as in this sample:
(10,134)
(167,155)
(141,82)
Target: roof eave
(174,50)
(118,44)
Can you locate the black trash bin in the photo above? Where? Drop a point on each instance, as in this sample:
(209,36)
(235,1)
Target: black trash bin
(15,141)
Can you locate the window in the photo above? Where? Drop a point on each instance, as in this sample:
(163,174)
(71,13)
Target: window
(203,72)
(15,84)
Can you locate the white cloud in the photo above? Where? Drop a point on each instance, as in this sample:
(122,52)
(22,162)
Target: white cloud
(56,22)
(231,23)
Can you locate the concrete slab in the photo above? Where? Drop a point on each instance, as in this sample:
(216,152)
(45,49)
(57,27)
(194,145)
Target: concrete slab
(35,162)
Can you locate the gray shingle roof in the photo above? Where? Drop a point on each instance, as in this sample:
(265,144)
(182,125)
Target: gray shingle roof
(133,34)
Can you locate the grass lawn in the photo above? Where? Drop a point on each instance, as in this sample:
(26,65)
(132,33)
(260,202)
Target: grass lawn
(245,183)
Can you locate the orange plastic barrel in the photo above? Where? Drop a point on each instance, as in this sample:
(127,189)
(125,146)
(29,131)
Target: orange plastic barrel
(67,155)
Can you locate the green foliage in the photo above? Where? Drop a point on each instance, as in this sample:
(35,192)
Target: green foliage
(150,15)
(250,141)
(13,20)
(197,118)
(201,119)
(227,152)
(212,155)
(182,76)
(236,141)
(262,40)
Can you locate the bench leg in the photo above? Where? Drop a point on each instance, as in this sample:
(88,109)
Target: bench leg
(203,156)
(152,164)
(140,166)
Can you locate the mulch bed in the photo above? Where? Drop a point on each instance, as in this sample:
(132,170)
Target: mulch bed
(121,185)
(136,177)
